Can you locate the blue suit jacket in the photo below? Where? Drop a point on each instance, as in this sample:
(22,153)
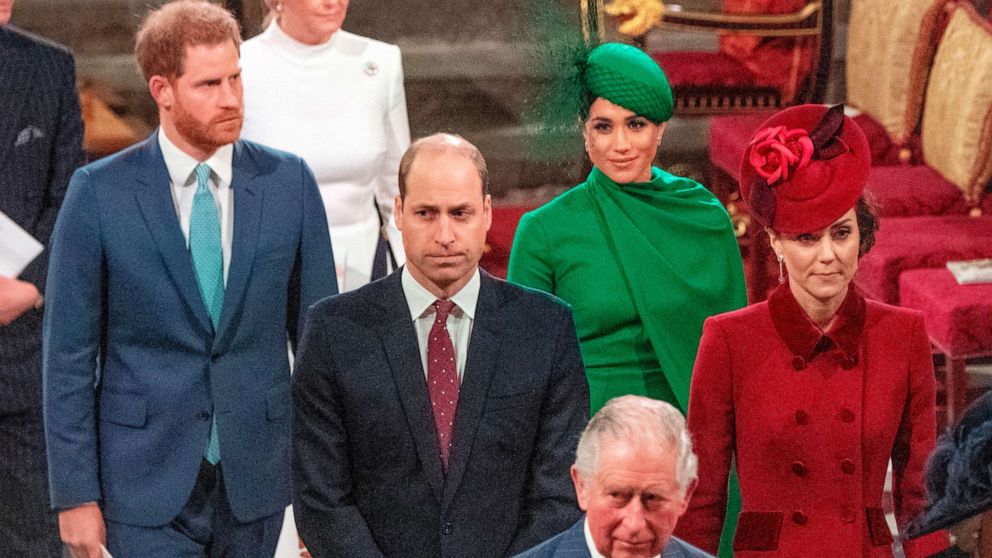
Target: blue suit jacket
(133,370)
(572,544)
(41,144)
(367,469)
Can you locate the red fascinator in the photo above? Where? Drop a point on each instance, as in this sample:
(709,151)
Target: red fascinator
(804,168)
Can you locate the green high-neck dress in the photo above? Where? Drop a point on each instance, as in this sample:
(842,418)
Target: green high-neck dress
(642,265)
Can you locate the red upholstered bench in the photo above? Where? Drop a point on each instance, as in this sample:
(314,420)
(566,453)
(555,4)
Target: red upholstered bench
(906,243)
(958,320)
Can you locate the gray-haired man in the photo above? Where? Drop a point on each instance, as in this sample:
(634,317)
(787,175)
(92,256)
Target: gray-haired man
(634,472)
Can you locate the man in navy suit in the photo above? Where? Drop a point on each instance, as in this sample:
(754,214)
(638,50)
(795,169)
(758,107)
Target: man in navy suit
(41,136)
(634,473)
(179,268)
(436,410)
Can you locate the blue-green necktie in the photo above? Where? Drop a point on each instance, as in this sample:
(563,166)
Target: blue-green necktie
(208,261)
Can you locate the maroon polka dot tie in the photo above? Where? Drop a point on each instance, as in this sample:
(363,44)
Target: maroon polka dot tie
(442,377)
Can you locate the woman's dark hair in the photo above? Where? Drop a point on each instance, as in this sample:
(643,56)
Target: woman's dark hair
(867,218)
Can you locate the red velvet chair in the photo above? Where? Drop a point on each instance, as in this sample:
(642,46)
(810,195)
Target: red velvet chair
(772,53)
(956,136)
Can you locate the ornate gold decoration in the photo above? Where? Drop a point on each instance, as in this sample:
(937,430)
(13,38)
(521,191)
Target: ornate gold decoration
(636,16)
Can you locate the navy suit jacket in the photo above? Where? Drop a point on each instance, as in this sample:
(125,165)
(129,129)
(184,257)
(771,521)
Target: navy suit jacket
(133,369)
(572,544)
(367,471)
(41,144)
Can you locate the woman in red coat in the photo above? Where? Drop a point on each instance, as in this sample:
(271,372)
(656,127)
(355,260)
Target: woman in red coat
(815,389)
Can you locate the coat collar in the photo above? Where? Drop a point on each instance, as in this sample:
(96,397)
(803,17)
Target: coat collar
(805,341)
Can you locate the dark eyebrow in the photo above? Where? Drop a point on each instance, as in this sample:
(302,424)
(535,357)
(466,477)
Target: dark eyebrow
(842,223)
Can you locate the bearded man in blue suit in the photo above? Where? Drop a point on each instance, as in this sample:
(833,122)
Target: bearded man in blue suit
(179,269)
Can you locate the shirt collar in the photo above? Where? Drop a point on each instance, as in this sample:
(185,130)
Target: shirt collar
(593,551)
(180,165)
(419,299)
(805,340)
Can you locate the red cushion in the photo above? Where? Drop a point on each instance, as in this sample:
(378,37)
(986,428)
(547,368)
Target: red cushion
(883,150)
(905,243)
(728,138)
(705,69)
(958,317)
(496,257)
(910,191)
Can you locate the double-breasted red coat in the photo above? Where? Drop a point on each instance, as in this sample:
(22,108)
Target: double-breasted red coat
(812,419)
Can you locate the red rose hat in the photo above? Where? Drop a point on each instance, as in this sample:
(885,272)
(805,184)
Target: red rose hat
(805,167)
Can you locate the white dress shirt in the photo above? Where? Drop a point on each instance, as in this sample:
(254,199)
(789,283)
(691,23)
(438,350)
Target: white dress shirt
(460,320)
(181,166)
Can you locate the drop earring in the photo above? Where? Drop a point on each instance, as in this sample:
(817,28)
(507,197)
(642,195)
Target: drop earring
(781,275)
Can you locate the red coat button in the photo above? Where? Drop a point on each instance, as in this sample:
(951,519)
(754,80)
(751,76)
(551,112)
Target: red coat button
(799,468)
(846,415)
(850,362)
(802,417)
(798,362)
(799,518)
(847,515)
(847,466)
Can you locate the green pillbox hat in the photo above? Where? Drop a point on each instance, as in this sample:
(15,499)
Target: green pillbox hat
(626,76)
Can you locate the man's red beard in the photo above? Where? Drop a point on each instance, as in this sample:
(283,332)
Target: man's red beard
(211,135)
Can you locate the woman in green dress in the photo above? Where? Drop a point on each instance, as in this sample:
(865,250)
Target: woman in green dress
(643,256)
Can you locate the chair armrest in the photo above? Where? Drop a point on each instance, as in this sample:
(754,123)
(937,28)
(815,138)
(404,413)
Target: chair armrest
(803,22)
(807,21)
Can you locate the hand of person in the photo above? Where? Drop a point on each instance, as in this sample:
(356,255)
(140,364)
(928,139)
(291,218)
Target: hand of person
(16,298)
(83,531)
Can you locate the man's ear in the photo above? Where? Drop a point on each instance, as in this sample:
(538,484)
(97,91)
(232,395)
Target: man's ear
(580,488)
(487,209)
(398,211)
(162,91)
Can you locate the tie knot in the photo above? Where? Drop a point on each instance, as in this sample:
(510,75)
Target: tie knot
(443,308)
(202,172)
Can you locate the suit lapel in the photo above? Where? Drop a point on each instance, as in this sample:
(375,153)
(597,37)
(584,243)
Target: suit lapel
(479,369)
(154,197)
(399,338)
(248,196)
(16,82)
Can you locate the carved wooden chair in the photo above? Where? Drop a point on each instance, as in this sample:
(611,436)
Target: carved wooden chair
(764,61)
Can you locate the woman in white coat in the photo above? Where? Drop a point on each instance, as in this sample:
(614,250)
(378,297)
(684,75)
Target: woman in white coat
(337,100)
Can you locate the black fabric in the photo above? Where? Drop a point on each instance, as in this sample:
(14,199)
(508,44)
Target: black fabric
(384,256)
(40,146)
(27,526)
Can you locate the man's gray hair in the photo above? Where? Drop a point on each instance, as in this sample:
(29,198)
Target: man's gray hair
(638,420)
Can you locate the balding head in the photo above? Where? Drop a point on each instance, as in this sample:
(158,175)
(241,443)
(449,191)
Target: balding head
(441,143)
